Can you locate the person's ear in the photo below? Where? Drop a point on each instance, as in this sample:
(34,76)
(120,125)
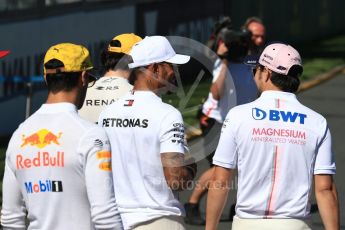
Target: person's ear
(268,74)
(84,78)
(45,78)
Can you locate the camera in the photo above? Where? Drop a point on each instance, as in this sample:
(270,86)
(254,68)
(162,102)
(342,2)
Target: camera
(225,22)
(237,43)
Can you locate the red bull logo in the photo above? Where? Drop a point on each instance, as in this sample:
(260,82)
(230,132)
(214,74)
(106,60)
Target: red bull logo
(41,139)
(41,159)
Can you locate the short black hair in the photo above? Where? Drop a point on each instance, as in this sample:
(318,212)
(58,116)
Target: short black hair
(113,60)
(60,81)
(288,83)
(133,74)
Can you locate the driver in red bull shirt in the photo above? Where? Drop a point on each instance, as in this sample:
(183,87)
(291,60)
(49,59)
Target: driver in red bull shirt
(58,166)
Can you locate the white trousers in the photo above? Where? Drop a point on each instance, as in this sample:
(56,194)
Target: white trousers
(269,224)
(163,223)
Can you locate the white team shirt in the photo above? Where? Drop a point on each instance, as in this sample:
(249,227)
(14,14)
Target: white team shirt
(277,144)
(140,127)
(58,168)
(105,91)
(239,88)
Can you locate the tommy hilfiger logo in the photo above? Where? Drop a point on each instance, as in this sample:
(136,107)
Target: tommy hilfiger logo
(129,103)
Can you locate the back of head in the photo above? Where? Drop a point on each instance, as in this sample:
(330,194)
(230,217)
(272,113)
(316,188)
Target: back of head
(63,65)
(116,55)
(286,65)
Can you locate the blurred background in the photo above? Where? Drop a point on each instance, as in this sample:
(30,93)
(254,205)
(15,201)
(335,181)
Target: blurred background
(29,27)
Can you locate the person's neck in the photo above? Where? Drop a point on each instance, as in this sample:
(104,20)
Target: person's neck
(117,73)
(146,83)
(67,97)
(271,87)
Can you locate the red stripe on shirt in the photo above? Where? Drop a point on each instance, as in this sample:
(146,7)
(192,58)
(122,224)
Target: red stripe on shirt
(272,197)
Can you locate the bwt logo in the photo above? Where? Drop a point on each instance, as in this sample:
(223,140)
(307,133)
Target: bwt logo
(278,115)
(258,114)
(43,186)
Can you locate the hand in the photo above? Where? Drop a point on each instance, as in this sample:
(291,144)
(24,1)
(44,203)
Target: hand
(191,166)
(222,50)
(192,169)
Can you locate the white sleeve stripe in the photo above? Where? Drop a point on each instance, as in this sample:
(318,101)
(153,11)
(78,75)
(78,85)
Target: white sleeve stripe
(325,171)
(223,164)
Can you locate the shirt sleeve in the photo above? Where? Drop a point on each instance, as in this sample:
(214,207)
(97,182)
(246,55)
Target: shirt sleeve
(226,152)
(98,179)
(324,162)
(172,133)
(216,70)
(13,207)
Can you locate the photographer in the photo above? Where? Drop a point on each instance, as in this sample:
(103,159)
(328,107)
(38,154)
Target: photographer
(256,27)
(232,85)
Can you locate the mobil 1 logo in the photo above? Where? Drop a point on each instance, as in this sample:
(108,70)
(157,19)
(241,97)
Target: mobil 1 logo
(43,186)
